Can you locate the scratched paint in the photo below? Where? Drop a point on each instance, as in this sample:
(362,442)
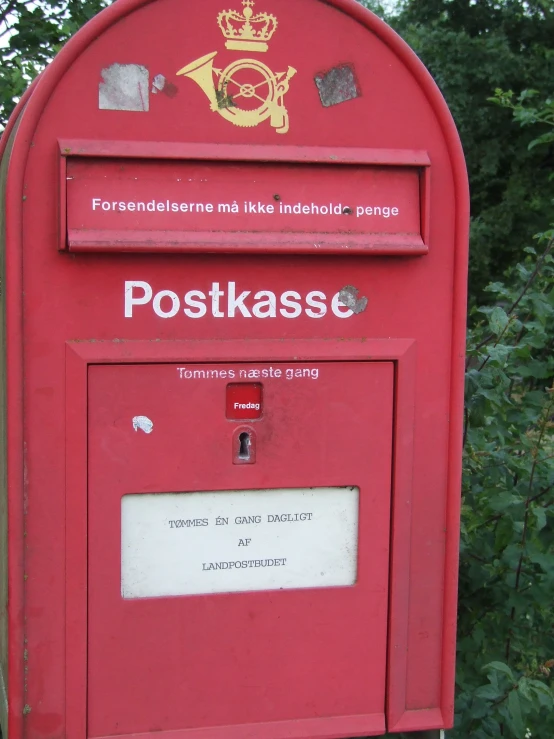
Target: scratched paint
(348,296)
(338,85)
(124,87)
(143,423)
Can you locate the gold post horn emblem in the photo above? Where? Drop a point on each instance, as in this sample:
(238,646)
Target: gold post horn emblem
(247,92)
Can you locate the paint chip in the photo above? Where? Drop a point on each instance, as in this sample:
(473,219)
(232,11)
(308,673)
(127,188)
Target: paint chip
(160,83)
(143,423)
(348,296)
(124,87)
(338,85)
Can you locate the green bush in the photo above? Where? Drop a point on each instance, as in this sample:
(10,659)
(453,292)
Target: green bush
(506,611)
(506,616)
(506,636)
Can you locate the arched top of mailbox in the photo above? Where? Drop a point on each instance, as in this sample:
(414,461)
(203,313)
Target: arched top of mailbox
(269,82)
(223,73)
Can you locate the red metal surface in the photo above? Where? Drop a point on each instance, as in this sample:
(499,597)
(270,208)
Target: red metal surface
(13,505)
(74,309)
(301,633)
(121,205)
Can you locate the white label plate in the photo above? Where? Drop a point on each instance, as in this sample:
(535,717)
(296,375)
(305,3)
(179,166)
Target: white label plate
(232,541)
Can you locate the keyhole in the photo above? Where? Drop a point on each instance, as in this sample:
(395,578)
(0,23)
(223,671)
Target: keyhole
(244,446)
(245,443)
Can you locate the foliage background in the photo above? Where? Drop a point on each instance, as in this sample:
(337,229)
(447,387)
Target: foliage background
(494,61)
(31,32)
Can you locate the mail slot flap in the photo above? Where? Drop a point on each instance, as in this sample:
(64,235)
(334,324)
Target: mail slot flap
(153,205)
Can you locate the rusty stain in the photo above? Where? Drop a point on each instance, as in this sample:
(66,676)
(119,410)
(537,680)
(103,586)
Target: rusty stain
(124,87)
(338,85)
(348,296)
(224,100)
(171,90)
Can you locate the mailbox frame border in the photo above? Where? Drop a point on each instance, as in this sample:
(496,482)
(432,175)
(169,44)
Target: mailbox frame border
(81,355)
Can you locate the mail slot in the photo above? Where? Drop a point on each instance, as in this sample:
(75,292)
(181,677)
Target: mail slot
(233,302)
(189,206)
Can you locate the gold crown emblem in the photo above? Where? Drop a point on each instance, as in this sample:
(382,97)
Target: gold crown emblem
(247,32)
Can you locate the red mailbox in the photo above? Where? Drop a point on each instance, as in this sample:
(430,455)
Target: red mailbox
(235,246)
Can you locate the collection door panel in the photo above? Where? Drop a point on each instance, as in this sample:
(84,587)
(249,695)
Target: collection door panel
(239,526)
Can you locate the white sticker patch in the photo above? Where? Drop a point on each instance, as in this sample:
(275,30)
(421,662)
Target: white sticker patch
(143,423)
(125,87)
(228,541)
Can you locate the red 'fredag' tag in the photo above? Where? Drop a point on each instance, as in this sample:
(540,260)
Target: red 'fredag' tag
(244,401)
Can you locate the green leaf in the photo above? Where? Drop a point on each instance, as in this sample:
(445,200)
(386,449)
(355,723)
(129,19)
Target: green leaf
(540,516)
(500,667)
(498,320)
(543,693)
(514,708)
(487,692)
